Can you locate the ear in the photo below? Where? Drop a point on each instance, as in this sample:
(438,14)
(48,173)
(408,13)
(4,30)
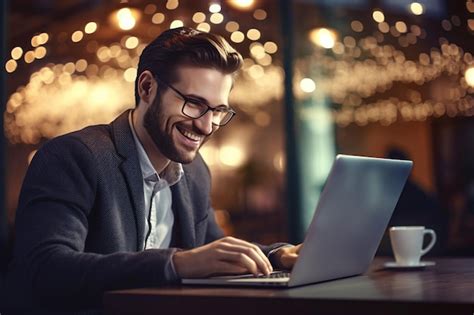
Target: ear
(147,87)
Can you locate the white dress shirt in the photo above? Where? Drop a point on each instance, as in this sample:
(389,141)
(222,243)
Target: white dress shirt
(159,218)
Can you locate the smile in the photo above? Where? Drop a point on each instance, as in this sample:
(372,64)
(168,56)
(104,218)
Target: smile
(190,135)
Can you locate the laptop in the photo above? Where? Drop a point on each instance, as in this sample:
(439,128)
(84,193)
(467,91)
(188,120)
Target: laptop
(350,219)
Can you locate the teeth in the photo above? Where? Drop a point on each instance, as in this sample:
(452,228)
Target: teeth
(191,136)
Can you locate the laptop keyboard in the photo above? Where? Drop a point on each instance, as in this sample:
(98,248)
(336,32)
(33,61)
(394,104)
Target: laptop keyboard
(275,274)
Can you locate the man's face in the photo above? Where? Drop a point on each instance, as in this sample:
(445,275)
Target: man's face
(179,137)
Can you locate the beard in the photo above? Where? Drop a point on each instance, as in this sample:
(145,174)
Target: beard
(155,124)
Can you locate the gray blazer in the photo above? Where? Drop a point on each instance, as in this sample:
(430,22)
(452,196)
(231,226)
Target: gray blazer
(79,228)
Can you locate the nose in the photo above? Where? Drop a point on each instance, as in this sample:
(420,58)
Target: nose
(204,123)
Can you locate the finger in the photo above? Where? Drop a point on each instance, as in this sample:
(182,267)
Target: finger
(239,258)
(251,253)
(297,248)
(226,268)
(257,250)
(289,260)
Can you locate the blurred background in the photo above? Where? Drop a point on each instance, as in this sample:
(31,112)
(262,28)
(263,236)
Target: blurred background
(383,78)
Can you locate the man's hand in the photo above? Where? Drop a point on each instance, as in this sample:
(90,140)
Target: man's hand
(227,255)
(286,257)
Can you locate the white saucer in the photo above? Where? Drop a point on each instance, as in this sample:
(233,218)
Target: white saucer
(421,264)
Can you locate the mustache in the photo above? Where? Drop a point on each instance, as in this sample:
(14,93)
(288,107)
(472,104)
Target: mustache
(195,130)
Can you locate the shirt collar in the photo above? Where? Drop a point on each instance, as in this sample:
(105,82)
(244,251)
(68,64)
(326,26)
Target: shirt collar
(172,173)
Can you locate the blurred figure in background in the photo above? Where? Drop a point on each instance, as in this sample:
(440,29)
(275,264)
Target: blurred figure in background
(415,207)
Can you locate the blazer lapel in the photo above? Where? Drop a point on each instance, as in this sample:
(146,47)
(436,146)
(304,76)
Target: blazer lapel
(130,168)
(183,209)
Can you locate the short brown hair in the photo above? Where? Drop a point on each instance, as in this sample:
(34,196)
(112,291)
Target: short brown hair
(185,45)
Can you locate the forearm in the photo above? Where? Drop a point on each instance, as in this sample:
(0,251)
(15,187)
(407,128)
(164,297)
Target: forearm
(60,277)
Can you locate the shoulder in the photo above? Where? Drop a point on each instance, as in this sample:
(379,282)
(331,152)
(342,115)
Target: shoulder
(90,141)
(197,171)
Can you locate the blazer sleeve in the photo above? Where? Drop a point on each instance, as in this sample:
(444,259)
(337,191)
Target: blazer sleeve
(49,263)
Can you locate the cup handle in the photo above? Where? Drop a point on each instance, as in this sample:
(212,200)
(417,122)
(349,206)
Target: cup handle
(431,244)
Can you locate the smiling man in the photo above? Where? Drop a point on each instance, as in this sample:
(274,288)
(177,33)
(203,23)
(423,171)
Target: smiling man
(127,204)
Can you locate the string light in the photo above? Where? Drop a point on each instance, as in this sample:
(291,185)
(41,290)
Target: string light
(204,27)
(401,27)
(34,41)
(357,26)
(10,66)
(241,4)
(384,27)
(378,16)
(257,50)
(29,56)
(253,34)
(40,52)
(469,75)
(132,42)
(237,37)
(16,53)
(270,47)
(77,36)
(323,37)
(353,83)
(127,18)
(265,60)
(42,38)
(176,24)
(172,4)
(307,85)
(232,26)
(215,8)
(232,156)
(150,9)
(130,74)
(158,18)
(90,28)
(199,17)
(260,14)
(216,18)
(416,8)
(81,65)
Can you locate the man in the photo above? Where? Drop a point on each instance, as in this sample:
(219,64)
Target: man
(127,204)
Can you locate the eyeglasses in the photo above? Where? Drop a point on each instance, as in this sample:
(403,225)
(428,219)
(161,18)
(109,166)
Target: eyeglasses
(194,108)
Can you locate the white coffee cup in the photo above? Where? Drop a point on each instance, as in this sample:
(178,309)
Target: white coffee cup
(407,243)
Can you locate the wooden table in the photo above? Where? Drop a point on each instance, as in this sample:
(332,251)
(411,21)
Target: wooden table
(447,288)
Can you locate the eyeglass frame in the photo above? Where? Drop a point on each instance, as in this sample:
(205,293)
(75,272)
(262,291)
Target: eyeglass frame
(188,100)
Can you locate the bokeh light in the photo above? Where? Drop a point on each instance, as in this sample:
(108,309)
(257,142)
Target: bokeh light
(204,27)
(237,37)
(216,18)
(215,8)
(323,37)
(77,36)
(158,18)
(378,16)
(232,26)
(469,75)
(241,4)
(176,24)
(199,17)
(16,53)
(126,18)
(260,14)
(172,4)
(416,8)
(10,65)
(90,28)
(307,85)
